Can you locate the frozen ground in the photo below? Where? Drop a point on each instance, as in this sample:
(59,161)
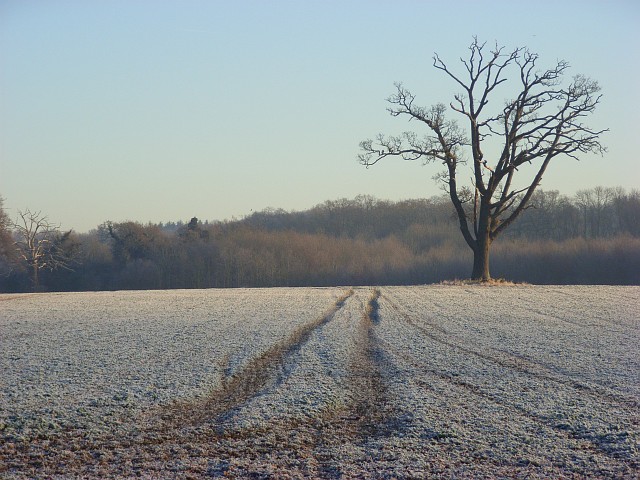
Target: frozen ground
(396,382)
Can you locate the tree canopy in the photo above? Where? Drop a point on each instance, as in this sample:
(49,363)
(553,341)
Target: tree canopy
(541,120)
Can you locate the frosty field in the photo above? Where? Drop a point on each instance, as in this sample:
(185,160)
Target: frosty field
(395,382)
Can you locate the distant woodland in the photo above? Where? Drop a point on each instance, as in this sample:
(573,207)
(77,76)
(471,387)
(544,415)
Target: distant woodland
(590,238)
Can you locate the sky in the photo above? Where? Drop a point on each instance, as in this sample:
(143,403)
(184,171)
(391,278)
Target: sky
(161,110)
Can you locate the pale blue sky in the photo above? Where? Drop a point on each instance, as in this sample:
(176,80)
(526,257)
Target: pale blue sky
(161,110)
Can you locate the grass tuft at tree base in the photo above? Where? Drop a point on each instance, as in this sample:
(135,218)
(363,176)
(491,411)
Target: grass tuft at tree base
(493,282)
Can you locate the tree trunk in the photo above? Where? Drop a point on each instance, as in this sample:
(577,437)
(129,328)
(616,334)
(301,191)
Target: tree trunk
(481,262)
(35,278)
(482,246)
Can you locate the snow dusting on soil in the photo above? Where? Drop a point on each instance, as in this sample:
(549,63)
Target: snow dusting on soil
(391,382)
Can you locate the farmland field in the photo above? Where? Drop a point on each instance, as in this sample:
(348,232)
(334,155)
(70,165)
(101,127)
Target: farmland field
(395,382)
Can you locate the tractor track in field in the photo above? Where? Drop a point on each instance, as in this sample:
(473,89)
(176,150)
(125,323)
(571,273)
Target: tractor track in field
(600,443)
(252,378)
(367,415)
(516,362)
(374,384)
(163,429)
(186,438)
(311,447)
(597,443)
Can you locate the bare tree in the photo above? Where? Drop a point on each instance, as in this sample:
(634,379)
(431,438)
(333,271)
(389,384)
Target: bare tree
(542,122)
(597,205)
(39,244)
(7,255)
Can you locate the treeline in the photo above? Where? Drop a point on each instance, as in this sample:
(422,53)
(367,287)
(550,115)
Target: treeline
(591,238)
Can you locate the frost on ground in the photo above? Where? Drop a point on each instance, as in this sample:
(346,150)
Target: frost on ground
(396,382)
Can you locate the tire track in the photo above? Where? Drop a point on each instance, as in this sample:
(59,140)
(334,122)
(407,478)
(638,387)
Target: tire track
(600,443)
(314,447)
(155,441)
(319,446)
(185,438)
(192,445)
(367,370)
(366,415)
(516,362)
(259,372)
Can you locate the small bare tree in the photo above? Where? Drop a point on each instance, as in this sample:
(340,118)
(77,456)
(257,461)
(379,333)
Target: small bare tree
(7,254)
(542,121)
(39,245)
